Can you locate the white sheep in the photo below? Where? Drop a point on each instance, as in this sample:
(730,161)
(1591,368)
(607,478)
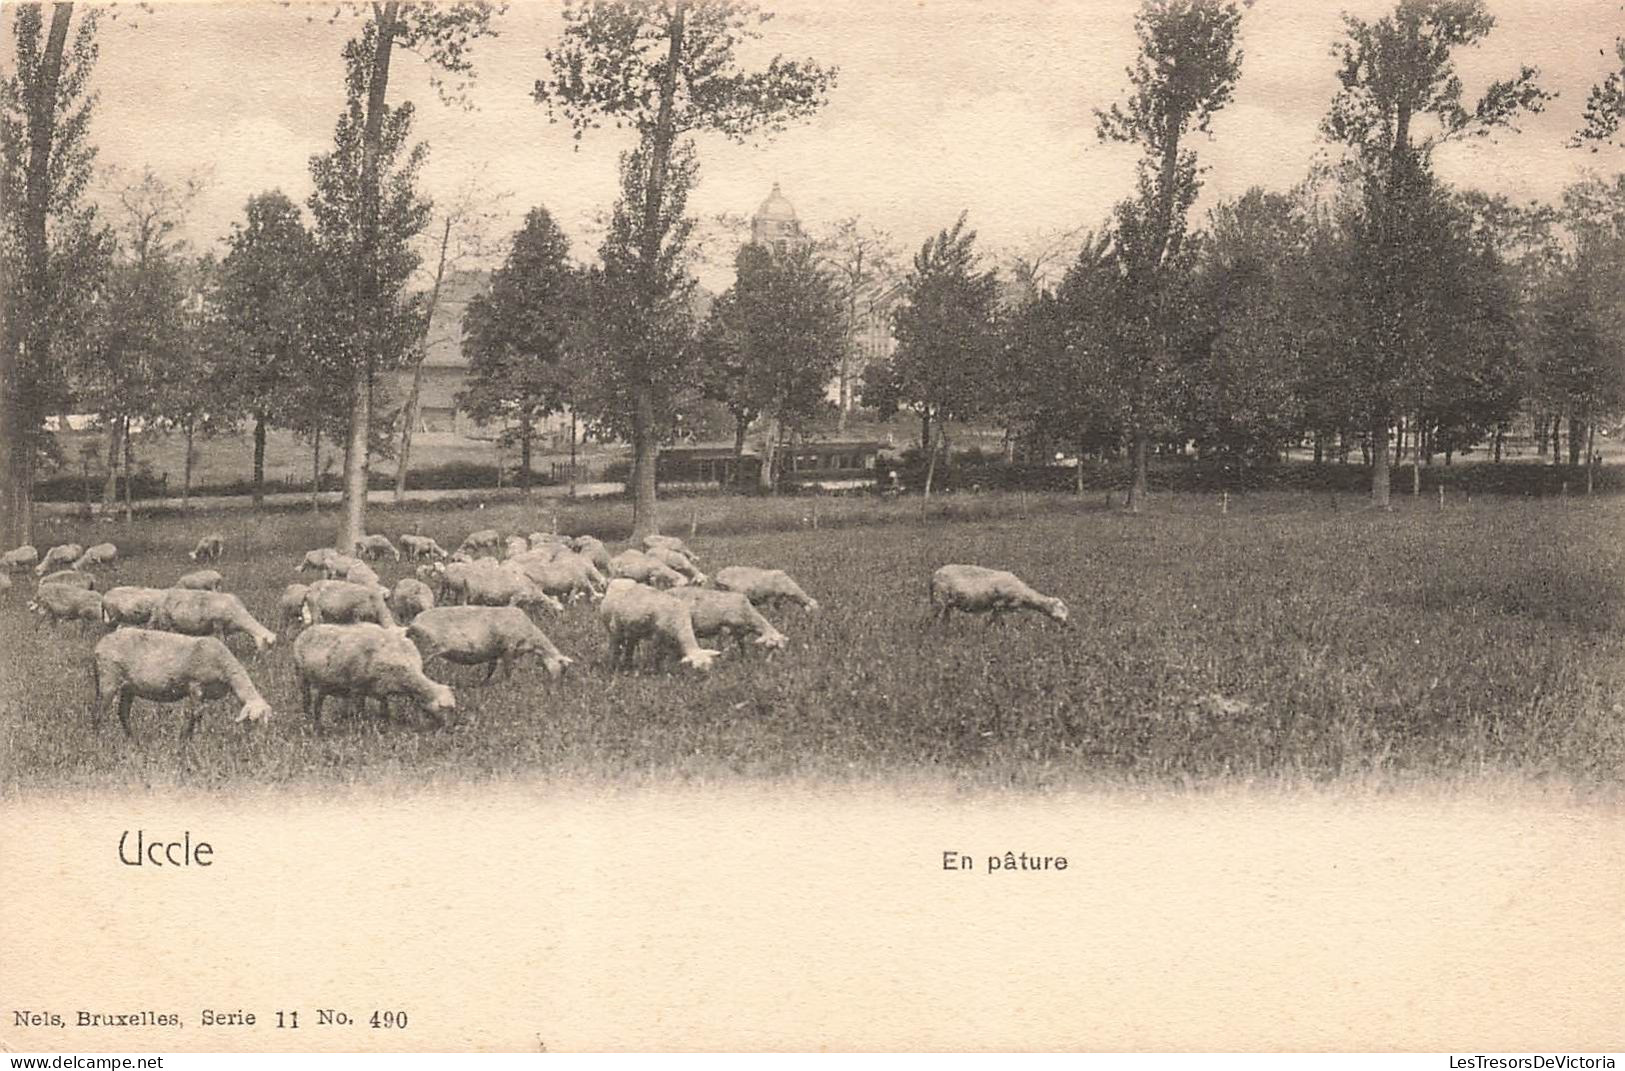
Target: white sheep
(566,577)
(100,554)
(728,613)
(514,545)
(634,612)
(420,546)
(203,613)
(201,580)
(764,587)
(58,557)
(23,557)
(341,602)
(5,581)
(592,548)
(63,602)
(974,589)
(316,560)
(376,546)
(290,606)
(130,606)
(71,577)
(362,573)
(209,548)
(678,562)
(410,598)
(364,661)
(636,565)
(136,663)
(484,635)
(488,539)
(338,566)
(670,543)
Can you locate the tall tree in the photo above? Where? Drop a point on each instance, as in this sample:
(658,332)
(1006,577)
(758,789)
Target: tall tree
(517,335)
(947,342)
(50,243)
(263,330)
(1400,97)
(863,259)
(1186,69)
(668,70)
(773,341)
(365,228)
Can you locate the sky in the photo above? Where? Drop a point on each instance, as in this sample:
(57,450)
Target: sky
(940,106)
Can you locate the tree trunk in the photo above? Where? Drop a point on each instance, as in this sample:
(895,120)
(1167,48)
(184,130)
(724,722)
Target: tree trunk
(353,518)
(129,474)
(1137,489)
(1591,454)
(925,431)
(524,454)
(259,460)
(316,471)
(1416,458)
(572,451)
(1577,436)
(741,429)
(1379,468)
(1500,438)
(931,462)
(1320,448)
(110,488)
(1080,469)
(186,481)
(644,519)
(770,434)
(410,423)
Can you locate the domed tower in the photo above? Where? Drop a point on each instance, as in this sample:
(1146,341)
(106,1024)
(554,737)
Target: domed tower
(774,226)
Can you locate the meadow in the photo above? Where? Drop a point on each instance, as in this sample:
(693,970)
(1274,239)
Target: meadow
(1295,639)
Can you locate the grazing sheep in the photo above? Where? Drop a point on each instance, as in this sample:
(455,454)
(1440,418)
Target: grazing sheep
(5,581)
(203,613)
(634,612)
(342,602)
(419,546)
(507,585)
(567,577)
(764,587)
(316,560)
(130,606)
(541,552)
(488,539)
(290,607)
(58,557)
(376,546)
(64,602)
(100,554)
(362,573)
(476,635)
(209,548)
(71,577)
(728,613)
(636,565)
(975,590)
(22,557)
(201,580)
(409,599)
(678,562)
(338,566)
(670,543)
(514,546)
(363,661)
(592,548)
(162,667)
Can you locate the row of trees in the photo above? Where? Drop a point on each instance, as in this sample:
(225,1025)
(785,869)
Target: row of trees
(1370,298)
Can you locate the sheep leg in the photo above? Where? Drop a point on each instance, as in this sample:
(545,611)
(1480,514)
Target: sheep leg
(316,708)
(126,696)
(490,671)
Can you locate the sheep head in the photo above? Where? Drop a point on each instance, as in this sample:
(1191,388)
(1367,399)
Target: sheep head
(1056,609)
(772,640)
(265,639)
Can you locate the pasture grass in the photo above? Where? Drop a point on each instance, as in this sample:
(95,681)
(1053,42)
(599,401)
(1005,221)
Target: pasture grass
(1284,643)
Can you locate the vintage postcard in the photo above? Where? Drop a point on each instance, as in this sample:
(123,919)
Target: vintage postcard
(791,526)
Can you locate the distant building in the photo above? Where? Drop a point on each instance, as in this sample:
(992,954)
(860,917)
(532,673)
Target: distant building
(775,226)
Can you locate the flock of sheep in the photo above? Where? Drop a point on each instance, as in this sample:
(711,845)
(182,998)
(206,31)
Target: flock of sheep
(362,639)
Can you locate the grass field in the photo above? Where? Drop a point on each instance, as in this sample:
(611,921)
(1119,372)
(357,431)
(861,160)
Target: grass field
(1285,642)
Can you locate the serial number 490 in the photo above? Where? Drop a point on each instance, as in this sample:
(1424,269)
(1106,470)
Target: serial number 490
(378,1020)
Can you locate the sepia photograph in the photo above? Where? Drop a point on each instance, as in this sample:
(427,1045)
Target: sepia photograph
(813,525)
